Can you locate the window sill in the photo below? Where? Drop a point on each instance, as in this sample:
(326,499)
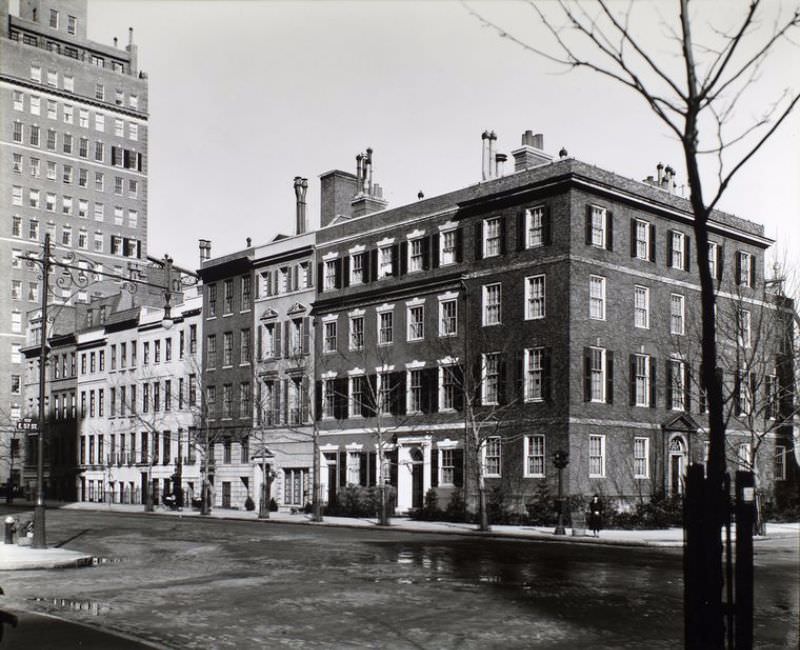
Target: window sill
(447,410)
(534,400)
(533,476)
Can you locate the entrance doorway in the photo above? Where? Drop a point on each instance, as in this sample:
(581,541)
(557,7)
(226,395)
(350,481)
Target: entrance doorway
(677,465)
(417,466)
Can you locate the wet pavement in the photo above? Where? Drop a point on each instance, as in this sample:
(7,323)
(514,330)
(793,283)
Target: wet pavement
(188,583)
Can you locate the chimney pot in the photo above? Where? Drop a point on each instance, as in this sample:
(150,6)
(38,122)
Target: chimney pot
(420,195)
(249,242)
(300,187)
(130,35)
(563,153)
(115,41)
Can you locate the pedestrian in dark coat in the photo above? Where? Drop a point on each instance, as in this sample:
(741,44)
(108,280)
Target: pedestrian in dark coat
(595,515)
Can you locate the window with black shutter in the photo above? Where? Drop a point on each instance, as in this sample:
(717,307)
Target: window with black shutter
(434,467)
(609,377)
(342,468)
(458,467)
(363,465)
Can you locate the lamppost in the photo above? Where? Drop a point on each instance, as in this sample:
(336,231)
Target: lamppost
(263,455)
(76,273)
(560,460)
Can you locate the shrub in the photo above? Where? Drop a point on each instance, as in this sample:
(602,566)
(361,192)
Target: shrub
(456,507)
(273,506)
(249,504)
(430,510)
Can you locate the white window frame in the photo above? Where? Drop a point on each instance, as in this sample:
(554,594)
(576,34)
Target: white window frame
(353,406)
(641,458)
(597,297)
(597,373)
(492,444)
(357,271)
(598,225)
(415,331)
(678,381)
(780,463)
(416,253)
(385,332)
(597,455)
(643,379)
(745,268)
(488,309)
(494,359)
(641,307)
(534,226)
(329,277)
(678,250)
(538,440)
(353,340)
(448,324)
(677,318)
(535,297)
(745,337)
(330,329)
(533,382)
(642,239)
(414,391)
(713,258)
(385,261)
(447,252)
(446,367)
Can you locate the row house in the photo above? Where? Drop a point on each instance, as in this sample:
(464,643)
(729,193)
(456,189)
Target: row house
(555,307)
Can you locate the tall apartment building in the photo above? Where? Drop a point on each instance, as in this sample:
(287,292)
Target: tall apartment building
(553,307)
(73,155)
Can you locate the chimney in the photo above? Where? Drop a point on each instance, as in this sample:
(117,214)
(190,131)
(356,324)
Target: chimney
(300,187)
(115,41)
(249,242)
(130,35)
(205,250)
(500,159)
(660,174)
(531,153)
(485,155)
(492,152)
(369,197)
(337,190)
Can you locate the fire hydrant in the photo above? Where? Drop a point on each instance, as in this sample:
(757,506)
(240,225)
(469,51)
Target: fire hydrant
(9,530)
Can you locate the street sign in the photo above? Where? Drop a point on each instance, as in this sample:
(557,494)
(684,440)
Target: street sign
(28,424)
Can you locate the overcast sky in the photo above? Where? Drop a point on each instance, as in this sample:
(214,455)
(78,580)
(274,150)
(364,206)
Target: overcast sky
(244,96)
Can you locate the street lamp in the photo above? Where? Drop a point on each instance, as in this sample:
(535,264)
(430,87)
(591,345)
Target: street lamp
(76,272)
(262,456)
(560,460)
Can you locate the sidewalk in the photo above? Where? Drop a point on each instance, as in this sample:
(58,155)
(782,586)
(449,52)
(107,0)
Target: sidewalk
(14,557)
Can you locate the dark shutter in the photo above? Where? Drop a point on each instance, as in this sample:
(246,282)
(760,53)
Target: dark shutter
(278,349)
(652,242)
(460,245)
(609,377)
(138,249)
(139,162)
(519,363)
(392,458)
(267,275)
(587,374)
(365,267)
(668,385)
(287,351)
(547,236)
(403,258)
(687,249)
(373,264)
(285,406)
(502,235)
(337,263)
(458,467)
(609,230)
(320,280)
(434,467)
(460,388)
(477,381)
(669,249)
(501,379)
(738,267)
(369,397)
(306,334)
(478,240)
(633,237)
(521,230)
(435,250)
(397,398)
(653,383)
(588,225)
(720,261)
(346,271)
(318,399)
(362,469)
(304,405)
(426,253)
(633,380)
(687,392)
(340,398)
(342,468)
(753,271)
(395,260)
(371,467)
(547,381)
(295,277)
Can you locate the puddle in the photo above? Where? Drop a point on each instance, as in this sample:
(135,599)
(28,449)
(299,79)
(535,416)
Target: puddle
(90,606)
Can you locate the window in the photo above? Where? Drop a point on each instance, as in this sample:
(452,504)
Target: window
(36,105)
(133,131)
(52,112)
(18,132)
(133,101)
(534,297)
(119,185)
(641,307)
(491,304)
(676,314)
(212,299)
(16,289)
(385,261)
(34,136)
(448,387)
(133,188)
(72,24)
(330,328)
(744,457)
(246,286)
(16,262)
(448,466)
(447,247)
(780,463)
(448,317)
(16,321)
(99,122)
(745,333)
(416,322)
(596,359)
(357,400)
(641,458)
(329,398)
(36,73)
(490,381)
(534,456)
(329,280)
(357,333)
(356,269)
(597,456)
(416,252)
(66,236)
(50,202)
(677,385)
(67,143)
(33,292)
(227,297)
(642,380)
(745,269)
(244,399)
(227,400)
(492,450)
(414,391)
(597,227)
(98,151)
(597,297)
(16,354)
(83,181)
(33,229)
(244,346)
(67,176)
(227,348)
(679,255)
(19,100)
(99,90)
(713,259)
(35,167)
(16,226)
(119,128)
(534,360)
(16,164)
(492,234)
(69,114)
(385,327)
(52,140)
(535,227)
(16,195)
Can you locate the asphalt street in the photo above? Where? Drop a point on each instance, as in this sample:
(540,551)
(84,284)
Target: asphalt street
(189,583)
